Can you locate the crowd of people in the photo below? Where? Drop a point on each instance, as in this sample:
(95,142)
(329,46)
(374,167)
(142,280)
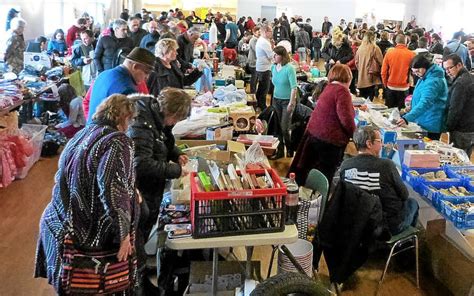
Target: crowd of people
(116,167)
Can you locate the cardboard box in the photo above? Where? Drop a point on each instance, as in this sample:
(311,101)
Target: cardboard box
(243,119)
(202,148)
(201,269)
(421,159)
(220,132)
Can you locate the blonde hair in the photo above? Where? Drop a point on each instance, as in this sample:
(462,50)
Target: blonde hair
(175,102)
(115,109)
(369,38)
(164,46)
(337,37)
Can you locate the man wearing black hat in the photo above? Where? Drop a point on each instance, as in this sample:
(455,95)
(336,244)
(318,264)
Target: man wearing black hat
(122,79)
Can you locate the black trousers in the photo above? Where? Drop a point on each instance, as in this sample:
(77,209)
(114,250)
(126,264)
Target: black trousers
(395,98)
(264,81)
(253,79)
(367,92)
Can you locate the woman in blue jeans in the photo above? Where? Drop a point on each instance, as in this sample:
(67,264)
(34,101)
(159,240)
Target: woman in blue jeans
(284,96)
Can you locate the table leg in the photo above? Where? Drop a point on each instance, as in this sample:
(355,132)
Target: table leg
(215,261)
(248,264)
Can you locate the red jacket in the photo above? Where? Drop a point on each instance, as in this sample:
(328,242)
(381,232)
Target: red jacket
(332,120)
(141,88)
(249,25)
(72,35)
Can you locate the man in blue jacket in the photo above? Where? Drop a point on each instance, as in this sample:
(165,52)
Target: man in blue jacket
(123,79)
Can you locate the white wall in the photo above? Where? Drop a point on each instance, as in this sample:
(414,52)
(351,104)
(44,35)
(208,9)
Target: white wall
(317,9)
(31,11)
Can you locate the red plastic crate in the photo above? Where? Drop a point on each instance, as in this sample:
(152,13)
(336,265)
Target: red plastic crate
(237,212)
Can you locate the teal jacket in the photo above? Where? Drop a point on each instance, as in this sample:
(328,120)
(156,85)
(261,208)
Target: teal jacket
(429,101)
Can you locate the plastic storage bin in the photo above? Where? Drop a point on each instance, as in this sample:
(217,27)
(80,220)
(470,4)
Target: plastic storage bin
(414,181)
(248,211)
(456,172)
(37,135)
(460,218)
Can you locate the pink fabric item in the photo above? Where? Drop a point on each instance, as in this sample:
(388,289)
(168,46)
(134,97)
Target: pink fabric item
(14,152)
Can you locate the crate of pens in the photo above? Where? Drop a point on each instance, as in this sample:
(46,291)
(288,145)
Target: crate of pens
(237,202)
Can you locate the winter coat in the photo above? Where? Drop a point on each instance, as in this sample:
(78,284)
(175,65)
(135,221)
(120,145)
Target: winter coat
(461,103)
(156,156)
(302,39)
(14,52)
(149,41)
(59,45)
(332,121)
(436,48)
(280,33)
(429,101)
(367,54)
(342,54)
(163,77)
(185,52)
(456,47)
(384,45)
(107,50)
(95,191)
(88,71)
(137,36)
(352,220)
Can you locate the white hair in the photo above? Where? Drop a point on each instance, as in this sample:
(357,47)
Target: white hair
(17,22)
(118,23)
(194,30)
(163,46)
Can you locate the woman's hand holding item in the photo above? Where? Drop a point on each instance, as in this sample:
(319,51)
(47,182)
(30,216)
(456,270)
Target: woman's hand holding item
(259,126)
(402,122)
(183,159)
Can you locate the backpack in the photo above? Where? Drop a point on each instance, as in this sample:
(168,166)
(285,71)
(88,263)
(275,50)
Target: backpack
(447,51)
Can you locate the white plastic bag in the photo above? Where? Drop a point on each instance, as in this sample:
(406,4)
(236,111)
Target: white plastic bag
(255,155)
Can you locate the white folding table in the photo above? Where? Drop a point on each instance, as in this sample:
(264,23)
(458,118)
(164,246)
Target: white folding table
(288,236)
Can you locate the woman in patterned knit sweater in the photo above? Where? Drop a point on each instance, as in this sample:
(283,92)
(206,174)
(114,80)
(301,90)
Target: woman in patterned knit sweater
(94,198)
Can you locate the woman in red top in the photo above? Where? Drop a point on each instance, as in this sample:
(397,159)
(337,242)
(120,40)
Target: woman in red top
(329,129)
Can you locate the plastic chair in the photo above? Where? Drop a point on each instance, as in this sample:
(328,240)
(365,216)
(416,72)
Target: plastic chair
(408,235)
(317,182)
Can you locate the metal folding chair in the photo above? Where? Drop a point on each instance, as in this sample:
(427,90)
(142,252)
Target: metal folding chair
(410,237)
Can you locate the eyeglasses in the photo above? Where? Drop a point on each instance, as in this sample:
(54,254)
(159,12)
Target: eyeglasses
(377,140)
(448,68)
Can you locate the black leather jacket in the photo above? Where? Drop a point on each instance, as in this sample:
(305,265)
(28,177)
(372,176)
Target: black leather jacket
(107,50)
(156,155)
(163,77)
